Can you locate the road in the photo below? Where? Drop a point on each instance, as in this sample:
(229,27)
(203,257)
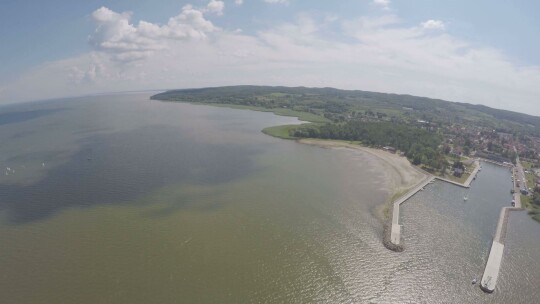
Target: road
(521,174)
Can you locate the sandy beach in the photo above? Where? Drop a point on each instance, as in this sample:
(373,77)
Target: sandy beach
(400,173)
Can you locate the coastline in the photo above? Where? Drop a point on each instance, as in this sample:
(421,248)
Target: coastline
(302,116)
(401,175)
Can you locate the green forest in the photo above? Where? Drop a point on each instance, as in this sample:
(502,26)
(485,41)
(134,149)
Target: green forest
(343,105)
(419,145)
(408,123)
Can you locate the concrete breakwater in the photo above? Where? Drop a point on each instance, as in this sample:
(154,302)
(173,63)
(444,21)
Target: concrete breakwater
(387,242)
(392,236)
(451,182)
(392,229)
(392,233)
(493,265)
(477,168)
(508,165)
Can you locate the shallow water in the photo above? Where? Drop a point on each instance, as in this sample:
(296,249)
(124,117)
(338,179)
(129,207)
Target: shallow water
(118,199)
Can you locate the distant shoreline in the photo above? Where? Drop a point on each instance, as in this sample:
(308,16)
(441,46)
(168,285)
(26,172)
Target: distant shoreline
(402,175)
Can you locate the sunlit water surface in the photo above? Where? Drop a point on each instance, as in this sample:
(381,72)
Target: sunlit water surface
(118,199)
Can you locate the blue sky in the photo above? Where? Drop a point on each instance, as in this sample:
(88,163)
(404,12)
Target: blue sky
(471,51)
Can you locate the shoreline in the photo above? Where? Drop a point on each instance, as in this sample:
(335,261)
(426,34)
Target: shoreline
(403,181)
(401,172)
(496,253)
(402,177)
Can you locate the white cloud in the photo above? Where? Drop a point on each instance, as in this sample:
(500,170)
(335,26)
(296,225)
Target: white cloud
(216,7)
(115,34)
(376,54)
(238,2)
(126,42)
(433,25)
(190,23)
(384,4)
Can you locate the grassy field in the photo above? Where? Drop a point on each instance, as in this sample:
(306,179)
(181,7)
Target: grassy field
(530,176)
(303,116)
(460,180)
(280,131)
(531,180)
(526,200)
(468,170)
(526,164)
(534,210)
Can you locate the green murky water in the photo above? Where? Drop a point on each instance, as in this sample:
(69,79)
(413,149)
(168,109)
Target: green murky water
(118,199)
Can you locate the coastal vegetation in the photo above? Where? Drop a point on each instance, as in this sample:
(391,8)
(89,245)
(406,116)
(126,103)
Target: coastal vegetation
(466,129)
(436,135)
(531,201)
(532,204)
(458,164)
(419,145)
(343,105)
(283,131)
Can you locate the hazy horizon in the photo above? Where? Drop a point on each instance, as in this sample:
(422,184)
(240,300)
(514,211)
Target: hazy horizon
(164,90)
(451,51)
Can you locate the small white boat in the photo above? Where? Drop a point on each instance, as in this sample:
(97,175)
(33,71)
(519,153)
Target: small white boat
(465,198)
(474,281)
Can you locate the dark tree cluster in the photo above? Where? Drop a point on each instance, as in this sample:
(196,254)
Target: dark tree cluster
(419,145)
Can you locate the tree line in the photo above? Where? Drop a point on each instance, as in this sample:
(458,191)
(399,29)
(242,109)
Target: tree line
(419,145)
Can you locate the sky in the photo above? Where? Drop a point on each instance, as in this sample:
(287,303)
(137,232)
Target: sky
(480,52)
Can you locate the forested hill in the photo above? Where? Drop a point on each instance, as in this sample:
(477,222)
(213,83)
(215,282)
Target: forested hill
(338,105)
